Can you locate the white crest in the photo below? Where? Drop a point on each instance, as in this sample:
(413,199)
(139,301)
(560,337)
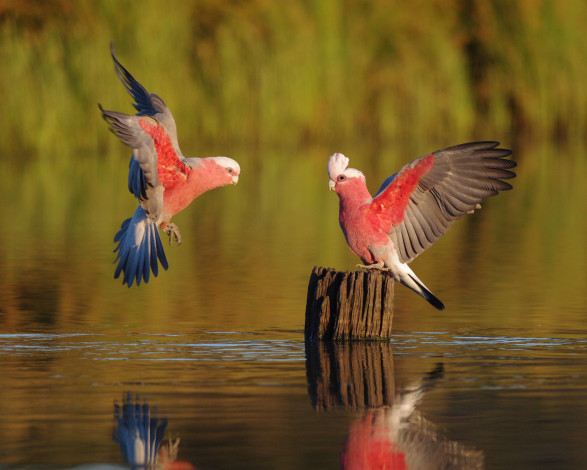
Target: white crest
(336,165)
(354,173)
(227,163)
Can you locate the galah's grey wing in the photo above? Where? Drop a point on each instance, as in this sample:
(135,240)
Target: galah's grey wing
(137,183)
(147,104)
(143,175)
(459,180)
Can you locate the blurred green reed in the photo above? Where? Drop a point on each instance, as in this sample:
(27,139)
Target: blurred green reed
(272,73)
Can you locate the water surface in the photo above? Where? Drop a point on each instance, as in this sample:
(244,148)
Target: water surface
(263,400)
(216,342)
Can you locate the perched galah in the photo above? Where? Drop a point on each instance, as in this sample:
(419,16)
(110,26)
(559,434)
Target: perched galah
(416,206)
(160,177)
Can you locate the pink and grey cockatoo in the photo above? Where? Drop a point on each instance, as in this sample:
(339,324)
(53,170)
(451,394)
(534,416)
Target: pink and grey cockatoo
(160,177)
(416,206)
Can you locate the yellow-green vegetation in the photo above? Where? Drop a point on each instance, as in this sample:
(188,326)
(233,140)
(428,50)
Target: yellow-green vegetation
(291,73)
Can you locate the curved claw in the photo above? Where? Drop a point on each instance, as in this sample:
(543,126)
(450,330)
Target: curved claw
(173,231)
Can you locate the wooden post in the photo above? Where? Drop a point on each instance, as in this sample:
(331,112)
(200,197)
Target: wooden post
(350,375)
(349,305)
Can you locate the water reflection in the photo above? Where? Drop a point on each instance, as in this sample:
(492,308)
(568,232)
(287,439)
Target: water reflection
(391,432)
(139,432)
(350,375)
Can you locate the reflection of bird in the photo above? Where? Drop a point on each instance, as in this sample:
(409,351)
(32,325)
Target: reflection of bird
(416,206)
(160,177)
(399,438)
(405,403)
(139,432)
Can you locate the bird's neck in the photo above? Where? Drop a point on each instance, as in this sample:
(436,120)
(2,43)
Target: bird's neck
(205,175)
(354,195)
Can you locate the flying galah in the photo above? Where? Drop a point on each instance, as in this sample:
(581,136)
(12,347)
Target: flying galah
(416,206)
(160,177)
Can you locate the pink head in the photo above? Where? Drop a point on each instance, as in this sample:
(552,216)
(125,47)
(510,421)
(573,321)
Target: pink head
(217,171)
(212,172)
(227,171)
(339,173)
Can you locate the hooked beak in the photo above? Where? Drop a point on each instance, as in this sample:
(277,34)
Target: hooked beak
(235,179)
(331,185)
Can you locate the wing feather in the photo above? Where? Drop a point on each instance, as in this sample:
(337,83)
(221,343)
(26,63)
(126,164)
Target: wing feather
(425,232)
(406,249)
(457,181)
(413,245)
(153,136)
(143,176)
(147,104)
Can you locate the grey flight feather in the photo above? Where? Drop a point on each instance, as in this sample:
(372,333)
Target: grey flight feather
(143,178)
(461,178)
(147,104)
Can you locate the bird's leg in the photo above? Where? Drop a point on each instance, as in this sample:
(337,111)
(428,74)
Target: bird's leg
(379,266)
(168,451)
(173,231)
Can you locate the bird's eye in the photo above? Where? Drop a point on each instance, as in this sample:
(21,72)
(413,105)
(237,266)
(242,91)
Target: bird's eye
(341,178)
(230,171)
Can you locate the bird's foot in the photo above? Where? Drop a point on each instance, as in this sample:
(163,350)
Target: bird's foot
(379,266)
(173,231)
(169,450)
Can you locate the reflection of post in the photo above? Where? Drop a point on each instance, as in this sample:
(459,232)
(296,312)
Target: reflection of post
(349,375)
(349,305)
(399,437)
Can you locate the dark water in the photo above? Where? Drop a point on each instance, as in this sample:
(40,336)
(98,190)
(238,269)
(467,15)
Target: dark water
(497,380)
(264,400)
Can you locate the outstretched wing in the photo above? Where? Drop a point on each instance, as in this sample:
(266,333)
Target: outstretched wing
(154,165)
(157,161)
(426,196)
(147,104)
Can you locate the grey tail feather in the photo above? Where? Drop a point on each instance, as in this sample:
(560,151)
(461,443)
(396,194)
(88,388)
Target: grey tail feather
(429,296)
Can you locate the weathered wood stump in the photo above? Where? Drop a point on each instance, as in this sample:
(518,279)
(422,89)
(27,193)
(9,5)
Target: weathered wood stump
(349,305)
(350,375)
